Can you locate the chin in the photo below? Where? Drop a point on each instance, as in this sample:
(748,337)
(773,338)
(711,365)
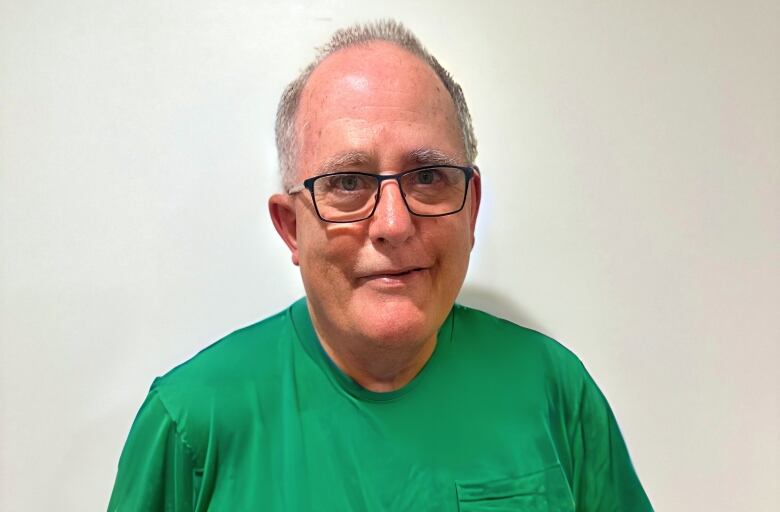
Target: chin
(396,320)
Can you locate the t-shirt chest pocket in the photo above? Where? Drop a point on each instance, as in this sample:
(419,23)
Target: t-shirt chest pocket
(545,490)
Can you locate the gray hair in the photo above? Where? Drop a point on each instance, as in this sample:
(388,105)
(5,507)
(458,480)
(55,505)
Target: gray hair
(383,30)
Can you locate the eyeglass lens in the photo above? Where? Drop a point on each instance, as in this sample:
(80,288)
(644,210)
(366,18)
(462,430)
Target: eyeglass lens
(346,197)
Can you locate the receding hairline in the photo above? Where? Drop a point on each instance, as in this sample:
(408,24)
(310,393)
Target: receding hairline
(363,35)
(368,47)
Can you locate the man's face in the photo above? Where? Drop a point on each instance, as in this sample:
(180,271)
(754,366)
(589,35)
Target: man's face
(390,279)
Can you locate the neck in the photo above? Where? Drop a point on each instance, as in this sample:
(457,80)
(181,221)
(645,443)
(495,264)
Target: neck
(379,366)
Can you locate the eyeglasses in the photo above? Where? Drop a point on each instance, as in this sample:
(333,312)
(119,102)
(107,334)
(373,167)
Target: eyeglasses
(430,191)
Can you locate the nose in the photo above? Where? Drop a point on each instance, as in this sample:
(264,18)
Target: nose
(392,223)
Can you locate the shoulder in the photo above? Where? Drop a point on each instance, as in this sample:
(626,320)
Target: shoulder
(222,376)
(482,331)
(518,356)
(526,361)
(241,354)
(207,396)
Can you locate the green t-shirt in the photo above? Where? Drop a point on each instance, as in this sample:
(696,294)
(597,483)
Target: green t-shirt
(499,418)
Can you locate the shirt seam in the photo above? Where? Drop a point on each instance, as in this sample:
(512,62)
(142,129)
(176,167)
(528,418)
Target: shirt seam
(180,435)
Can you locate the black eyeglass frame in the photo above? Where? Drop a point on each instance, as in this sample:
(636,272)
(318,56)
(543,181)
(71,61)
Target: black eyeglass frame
(308,184)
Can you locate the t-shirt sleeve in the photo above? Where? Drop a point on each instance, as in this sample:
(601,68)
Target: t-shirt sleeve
(604,479)
(156,468)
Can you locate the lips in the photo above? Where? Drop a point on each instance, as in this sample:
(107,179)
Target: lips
(392,273)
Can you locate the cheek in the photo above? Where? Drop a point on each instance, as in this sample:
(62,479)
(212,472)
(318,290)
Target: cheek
(312,245)
(327,255)
(460,251)
(450,242)
(453,240)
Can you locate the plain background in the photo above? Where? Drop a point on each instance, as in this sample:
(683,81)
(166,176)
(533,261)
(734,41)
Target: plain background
(630,160)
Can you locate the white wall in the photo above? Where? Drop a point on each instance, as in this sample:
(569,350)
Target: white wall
(630,159)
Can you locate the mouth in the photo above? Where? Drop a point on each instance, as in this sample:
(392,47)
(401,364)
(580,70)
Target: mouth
(394,276)
(400,272)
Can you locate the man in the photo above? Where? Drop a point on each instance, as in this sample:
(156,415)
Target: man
(376,392)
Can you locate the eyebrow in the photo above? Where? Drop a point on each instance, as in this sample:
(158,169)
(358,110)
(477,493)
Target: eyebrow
(427,156)
(339,162)
(419,156)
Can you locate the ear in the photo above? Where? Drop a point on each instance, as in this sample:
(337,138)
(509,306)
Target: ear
(475,200)
(282,210)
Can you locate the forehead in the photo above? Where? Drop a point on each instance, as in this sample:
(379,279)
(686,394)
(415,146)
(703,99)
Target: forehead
(377,99)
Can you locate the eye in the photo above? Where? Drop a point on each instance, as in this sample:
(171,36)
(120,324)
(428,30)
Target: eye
(427,176)
(346,183)
(349,182)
